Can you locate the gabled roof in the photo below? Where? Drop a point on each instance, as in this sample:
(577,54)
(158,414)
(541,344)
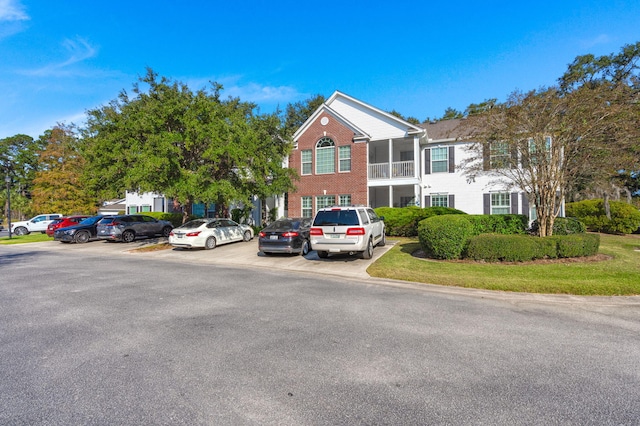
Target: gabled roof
(358,133)
(367,121)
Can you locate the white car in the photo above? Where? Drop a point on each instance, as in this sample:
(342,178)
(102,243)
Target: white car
(342,229)
(209,233)
(35,224)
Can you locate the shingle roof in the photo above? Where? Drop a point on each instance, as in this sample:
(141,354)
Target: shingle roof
(444,129)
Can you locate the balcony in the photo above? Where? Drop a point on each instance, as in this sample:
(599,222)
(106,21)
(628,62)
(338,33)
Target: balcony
(399,169)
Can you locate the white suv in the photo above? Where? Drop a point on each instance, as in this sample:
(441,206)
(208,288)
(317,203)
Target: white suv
(351,230)
(35,224)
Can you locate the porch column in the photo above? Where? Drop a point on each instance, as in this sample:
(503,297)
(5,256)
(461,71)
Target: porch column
(390,196)
(390,158)
(417,195)
(416,157)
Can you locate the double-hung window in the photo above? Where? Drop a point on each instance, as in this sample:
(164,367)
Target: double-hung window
(500,203)
(344,158)
(439,160)
(325,156)
(307,207)
(440,200)
(344,201)
(305,158)
(325,201)
(500,156)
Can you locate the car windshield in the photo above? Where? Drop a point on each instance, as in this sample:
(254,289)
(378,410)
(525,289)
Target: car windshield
(196,223)
(336,218)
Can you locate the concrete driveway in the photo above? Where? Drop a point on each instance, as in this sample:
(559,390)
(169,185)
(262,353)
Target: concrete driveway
(240,254)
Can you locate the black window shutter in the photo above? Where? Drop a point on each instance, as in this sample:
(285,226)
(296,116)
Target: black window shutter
(452,201)
(452,159)
(427,201)
(486,201)
(525,204)
(514,203)
(427,161)
(486,157)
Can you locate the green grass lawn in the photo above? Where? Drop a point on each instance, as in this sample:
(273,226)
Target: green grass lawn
(619,275)
(34,237)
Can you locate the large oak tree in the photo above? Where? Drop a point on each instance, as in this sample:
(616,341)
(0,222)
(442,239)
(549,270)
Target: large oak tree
(189,146)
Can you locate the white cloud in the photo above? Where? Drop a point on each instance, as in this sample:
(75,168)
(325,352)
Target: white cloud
(258,93)
(12,10)
(597,41)
(79,50)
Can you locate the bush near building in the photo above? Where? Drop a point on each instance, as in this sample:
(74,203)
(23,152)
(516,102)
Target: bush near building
(625,218)
(499,238)
(522,248)
(403,221)
(562,226)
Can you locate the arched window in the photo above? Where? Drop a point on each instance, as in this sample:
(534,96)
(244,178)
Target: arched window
(325,156)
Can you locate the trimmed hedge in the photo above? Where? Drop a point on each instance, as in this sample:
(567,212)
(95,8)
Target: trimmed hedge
(499,238)
(403,221)
(174,218)
(445,236)
(521,248)
(562,226)
(499,224)
(625,218)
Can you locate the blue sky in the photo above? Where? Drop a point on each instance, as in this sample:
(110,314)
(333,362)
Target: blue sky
(58,59)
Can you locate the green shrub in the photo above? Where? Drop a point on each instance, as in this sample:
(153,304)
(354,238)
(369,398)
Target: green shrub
(174,218)
(625,218)
(577,245)
(503,247)
(445,236)
(521,248)
(562,226)
(403,221)
(499,223)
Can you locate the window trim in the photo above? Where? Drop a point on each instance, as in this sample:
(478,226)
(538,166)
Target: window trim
(303,162)
(341,159)
(503,194)
(309,208)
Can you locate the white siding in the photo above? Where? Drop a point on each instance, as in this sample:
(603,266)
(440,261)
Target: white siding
(468,195)
(378,126)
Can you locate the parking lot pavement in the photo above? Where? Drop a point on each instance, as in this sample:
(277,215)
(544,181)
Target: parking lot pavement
(240,254)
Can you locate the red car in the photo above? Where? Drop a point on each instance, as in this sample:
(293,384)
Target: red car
(63,222)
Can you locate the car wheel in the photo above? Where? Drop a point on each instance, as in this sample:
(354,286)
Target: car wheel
(305,248)
(323,254)
(128,236)
(247,236)
(210,244)
(21,230)
(166,231)
(82,237)
(368,253)
(383,241)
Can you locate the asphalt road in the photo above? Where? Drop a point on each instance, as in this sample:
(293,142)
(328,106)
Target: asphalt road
(106,338)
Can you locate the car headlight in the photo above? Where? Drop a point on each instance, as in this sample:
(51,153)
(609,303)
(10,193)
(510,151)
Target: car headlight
(69,231)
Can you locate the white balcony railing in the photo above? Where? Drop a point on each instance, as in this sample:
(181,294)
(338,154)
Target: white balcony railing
(399,169)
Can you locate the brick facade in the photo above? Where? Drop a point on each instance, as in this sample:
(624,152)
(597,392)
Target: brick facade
(353,183)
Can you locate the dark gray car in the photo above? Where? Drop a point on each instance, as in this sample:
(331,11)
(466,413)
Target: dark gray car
(127,228)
